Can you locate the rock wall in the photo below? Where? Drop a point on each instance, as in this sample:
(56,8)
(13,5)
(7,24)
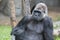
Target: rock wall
(18,6)
(5,7)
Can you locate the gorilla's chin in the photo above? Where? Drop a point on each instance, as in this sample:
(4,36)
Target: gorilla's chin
(38,19)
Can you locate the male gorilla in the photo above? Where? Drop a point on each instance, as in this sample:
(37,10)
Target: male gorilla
(37,26)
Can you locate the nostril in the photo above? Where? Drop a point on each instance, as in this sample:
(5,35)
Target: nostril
(35,15)
(38,15)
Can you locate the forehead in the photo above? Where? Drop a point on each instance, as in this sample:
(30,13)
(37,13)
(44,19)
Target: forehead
(40,6)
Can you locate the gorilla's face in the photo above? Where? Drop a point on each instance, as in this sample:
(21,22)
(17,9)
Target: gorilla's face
(39,12)
(37,15)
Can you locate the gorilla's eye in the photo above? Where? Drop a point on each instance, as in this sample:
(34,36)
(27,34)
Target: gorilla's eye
(36,11)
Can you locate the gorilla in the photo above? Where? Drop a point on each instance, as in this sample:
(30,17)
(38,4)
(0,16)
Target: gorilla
(37,26)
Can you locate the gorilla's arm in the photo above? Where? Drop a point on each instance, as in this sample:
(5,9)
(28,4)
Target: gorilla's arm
(24,21)
(20,27)
(48,29)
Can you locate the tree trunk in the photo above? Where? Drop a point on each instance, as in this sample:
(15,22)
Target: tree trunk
(26,7)
(13,13)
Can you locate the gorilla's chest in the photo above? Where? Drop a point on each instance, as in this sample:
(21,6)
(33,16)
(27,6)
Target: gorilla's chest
(36,27)
(33,32)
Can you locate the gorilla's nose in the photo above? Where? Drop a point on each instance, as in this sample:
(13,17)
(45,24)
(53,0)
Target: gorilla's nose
(36,15)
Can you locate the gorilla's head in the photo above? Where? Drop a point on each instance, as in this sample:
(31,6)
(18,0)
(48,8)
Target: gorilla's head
(39,12)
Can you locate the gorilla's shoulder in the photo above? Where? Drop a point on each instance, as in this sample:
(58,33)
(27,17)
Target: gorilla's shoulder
(48,22)
(28,17)
(24,20)
(47,19)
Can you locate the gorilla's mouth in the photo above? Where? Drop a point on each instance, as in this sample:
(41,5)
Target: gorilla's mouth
(37,19)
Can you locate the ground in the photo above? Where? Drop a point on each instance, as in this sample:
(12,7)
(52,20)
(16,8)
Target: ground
(6,30)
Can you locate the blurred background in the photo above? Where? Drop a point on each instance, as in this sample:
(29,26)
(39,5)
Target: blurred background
(5,15)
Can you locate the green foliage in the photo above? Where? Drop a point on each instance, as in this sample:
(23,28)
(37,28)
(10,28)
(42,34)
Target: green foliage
(58,18)
(5,32)
(56,26)
(56,37)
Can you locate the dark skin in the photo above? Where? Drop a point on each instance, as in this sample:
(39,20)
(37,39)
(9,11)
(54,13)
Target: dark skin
(34,28)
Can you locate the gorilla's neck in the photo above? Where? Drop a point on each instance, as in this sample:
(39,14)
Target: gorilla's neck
(36,21)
